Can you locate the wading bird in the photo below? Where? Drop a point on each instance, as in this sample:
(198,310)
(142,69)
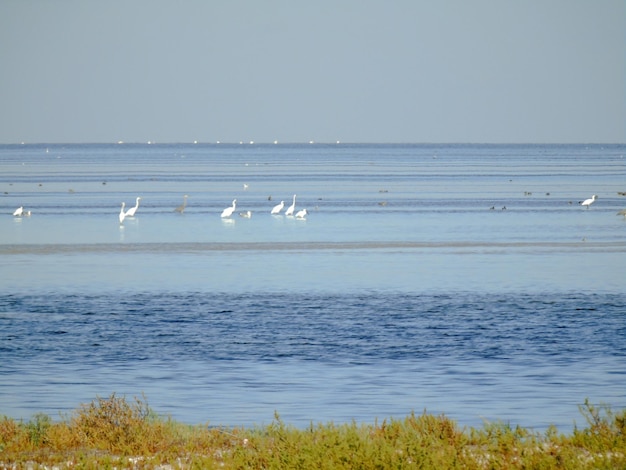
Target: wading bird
(229,210)
(122,213)
(131,212)
(181,208)
(292,207)
(588,202)
(19,211)
(301,214)
(278,207)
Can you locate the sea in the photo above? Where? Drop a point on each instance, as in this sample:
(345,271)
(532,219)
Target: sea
(457,279)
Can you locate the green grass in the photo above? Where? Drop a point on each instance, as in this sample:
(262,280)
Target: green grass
(114,432)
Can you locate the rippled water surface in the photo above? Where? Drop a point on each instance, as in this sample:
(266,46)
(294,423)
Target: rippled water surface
(460,279)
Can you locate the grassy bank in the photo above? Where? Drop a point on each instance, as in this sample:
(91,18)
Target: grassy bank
(115,432)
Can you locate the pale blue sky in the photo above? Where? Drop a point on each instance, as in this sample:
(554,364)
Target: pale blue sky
(324,70)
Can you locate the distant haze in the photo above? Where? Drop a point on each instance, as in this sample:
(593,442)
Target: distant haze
(322,71)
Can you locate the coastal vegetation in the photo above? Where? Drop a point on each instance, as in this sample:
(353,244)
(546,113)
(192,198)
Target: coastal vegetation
(115,432)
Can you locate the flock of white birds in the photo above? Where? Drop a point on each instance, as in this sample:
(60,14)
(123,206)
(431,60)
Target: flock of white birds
(226,213)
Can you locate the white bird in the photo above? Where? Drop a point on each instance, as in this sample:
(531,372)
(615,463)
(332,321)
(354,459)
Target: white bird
(588,202)
(301,214)
(19,211)
(229,210)
(246,214)
(131,212)
(181,208)
(122,213)
(292,207)
(278,207)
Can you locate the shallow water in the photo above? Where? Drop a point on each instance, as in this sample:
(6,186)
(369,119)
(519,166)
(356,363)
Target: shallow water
(402,290)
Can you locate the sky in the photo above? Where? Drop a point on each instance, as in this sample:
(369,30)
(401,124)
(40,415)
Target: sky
(368,71)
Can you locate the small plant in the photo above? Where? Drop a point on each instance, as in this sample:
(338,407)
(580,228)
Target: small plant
(606,429)
(110,423)
(9,433)
(37,428)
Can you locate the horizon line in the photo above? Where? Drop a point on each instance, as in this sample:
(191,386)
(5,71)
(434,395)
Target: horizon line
(310,142)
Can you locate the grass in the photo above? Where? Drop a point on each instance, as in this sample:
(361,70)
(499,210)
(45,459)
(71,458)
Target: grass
(114,432)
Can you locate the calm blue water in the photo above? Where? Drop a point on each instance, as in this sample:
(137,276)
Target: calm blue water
(460,279)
